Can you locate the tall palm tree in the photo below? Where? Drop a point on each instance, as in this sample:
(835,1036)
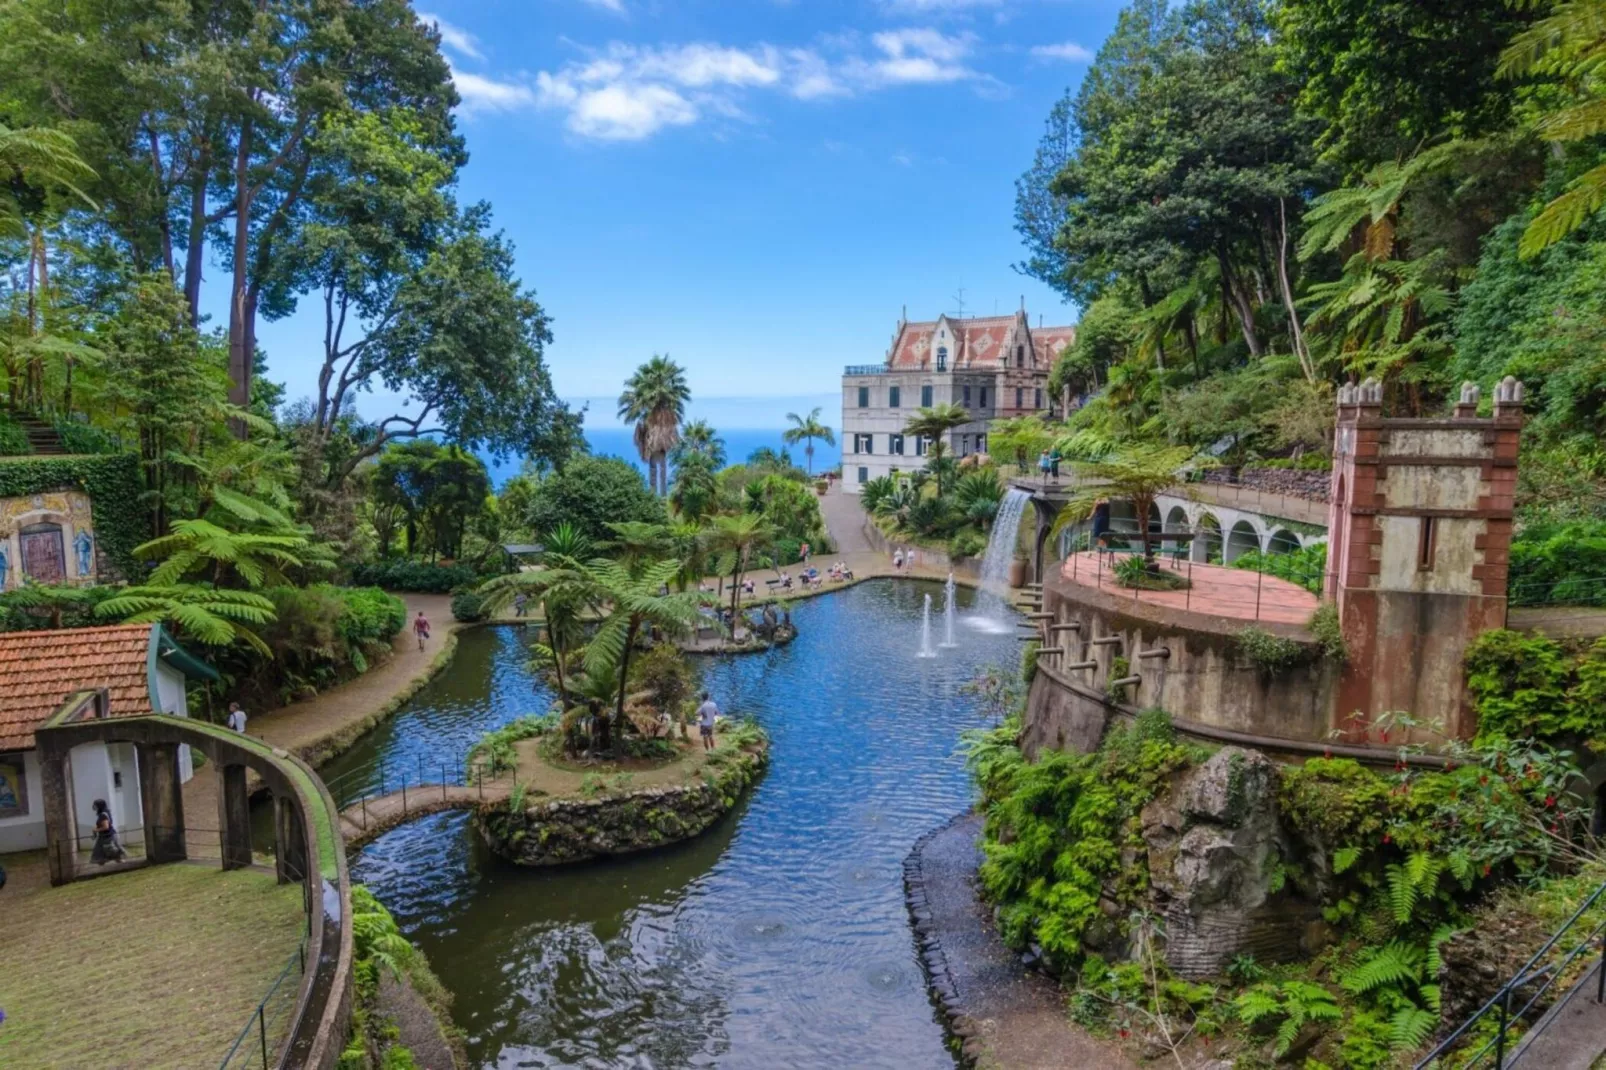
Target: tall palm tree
(735,538)
(699,439)
(806,429)
(933,424)
(654,399)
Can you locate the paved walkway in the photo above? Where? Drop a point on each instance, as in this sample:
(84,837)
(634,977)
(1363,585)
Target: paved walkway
(1216,589)
(845,520)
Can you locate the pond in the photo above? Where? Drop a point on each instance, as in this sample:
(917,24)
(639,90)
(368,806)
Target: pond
(779,938)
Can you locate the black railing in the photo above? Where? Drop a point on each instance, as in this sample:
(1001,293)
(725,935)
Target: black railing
(264,1033)
(411,780)
(1542,971)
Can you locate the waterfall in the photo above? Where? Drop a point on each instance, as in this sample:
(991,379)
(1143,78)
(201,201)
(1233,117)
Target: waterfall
(992,603)
(925,632)
(948,611)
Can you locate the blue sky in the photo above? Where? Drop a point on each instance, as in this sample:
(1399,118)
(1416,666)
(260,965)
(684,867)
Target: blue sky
(755,187)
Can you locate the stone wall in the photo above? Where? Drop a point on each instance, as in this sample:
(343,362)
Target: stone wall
(550,832)
(1293,482)
(1199,675)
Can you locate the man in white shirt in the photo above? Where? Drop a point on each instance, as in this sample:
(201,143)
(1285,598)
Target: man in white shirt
(236,718)
(706,713)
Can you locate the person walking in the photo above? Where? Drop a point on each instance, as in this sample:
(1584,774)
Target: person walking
(521,604)
(897,560)
(707,713)
(421,629)
(236,718)
(108,848)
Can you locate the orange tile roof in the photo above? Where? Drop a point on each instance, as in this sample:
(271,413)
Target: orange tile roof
(38,670)
(981,343)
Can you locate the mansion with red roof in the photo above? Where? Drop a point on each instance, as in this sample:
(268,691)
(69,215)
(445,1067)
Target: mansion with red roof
(994,367)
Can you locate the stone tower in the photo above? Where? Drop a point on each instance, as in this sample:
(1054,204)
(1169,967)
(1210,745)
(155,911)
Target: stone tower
(1419,536)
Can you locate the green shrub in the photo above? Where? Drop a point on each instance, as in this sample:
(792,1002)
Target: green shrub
(320,636)
(1056,828)
(1306,566)
(495,750)
(967,544)
(468,606)
(1272,654)
(82,438)
(1559,564)
(1323,624)
(415,576)
(1528,687)
(1137,573)
(13,439)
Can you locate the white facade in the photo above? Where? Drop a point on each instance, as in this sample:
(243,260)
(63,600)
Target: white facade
(993,368)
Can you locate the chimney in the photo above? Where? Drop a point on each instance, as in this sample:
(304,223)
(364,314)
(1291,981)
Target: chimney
(1467,407)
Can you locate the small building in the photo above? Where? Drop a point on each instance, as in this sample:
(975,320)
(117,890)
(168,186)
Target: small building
(141,669)
(994,367)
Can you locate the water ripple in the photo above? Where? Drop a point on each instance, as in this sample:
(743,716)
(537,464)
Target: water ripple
(777,939)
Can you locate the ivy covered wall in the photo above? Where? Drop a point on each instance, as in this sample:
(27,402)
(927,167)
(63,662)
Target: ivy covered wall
(112,481)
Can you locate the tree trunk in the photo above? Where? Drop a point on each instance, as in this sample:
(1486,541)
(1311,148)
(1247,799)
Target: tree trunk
(624,676)
(1240,305)
(239,351)
(1296,333)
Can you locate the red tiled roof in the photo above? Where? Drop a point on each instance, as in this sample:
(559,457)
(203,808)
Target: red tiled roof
(982,342)
(38,670)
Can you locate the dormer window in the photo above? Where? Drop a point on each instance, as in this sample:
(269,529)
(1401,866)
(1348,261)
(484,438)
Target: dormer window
(942,358)
(1020,356)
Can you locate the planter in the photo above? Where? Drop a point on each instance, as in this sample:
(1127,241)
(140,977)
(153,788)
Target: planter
(1017,572)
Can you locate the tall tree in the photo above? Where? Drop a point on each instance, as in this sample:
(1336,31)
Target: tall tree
(654,400)
(933,425)
(699,439)
(808,429)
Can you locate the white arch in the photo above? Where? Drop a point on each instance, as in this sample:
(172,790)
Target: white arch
(1243,537)
(1207,543)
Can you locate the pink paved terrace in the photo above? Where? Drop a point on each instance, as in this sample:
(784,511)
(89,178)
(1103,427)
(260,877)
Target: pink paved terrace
(1217,589)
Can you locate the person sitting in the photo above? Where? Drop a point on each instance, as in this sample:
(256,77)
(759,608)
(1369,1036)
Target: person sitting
(786,581)
(747,585)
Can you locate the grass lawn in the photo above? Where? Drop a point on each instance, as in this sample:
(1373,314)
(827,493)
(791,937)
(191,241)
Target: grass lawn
(160,967)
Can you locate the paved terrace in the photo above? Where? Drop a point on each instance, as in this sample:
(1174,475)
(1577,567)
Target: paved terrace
(1216,590)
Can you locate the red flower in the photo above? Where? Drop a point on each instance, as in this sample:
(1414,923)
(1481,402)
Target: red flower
(1550,800)
(1327,752)
(1387,838)
(1486,869)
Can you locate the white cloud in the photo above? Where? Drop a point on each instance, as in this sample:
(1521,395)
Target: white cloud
(487,94)
(627,92)
(454,38)
(616,6)
(1069,51)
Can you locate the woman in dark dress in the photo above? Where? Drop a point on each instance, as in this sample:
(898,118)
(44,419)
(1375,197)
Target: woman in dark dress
(108,848)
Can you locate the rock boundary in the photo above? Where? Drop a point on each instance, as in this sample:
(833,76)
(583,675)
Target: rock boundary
(558,830)
(964,1033)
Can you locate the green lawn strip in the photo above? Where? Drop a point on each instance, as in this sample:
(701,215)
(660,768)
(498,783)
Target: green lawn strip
(160,967)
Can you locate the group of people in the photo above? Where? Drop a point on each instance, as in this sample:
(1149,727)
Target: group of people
(900,560)
(1049,463)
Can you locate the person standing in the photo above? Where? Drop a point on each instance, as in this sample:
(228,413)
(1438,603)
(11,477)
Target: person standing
(1043,464)
(236,718)
(1054,463)
(706,715)
(421,629)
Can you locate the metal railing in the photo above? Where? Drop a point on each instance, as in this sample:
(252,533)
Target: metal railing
(866,369)
(267,1028)
(410,780)
(1542,970)
(1573,591)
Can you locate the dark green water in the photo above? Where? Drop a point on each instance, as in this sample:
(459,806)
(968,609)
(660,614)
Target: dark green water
(777,939)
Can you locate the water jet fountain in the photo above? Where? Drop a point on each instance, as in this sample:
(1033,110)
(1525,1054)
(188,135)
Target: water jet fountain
(948,613)
(925,632)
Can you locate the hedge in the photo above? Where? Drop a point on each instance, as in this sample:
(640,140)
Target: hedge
(414,576)
(112,481)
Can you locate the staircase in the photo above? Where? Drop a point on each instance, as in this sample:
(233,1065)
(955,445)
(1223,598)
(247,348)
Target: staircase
(43,439)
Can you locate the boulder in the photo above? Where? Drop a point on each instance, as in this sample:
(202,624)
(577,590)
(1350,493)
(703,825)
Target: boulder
(1216,847)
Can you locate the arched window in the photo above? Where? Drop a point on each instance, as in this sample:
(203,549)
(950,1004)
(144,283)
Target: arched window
(942,358)
(1020,356)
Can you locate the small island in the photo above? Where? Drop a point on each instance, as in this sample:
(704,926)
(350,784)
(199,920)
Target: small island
(558,807)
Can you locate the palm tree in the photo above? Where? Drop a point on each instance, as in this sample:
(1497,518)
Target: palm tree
(202,613)
(654,399)
(696,488)
(933,424)
(1021,438)
(806,429)
(736,537)
(699,439)
(632,602)
(1138,475)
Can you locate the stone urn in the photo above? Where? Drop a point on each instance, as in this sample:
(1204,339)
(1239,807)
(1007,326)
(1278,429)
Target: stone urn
(1017,572)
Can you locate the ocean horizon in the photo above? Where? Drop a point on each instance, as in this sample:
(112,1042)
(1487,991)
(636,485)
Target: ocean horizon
(739,443)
